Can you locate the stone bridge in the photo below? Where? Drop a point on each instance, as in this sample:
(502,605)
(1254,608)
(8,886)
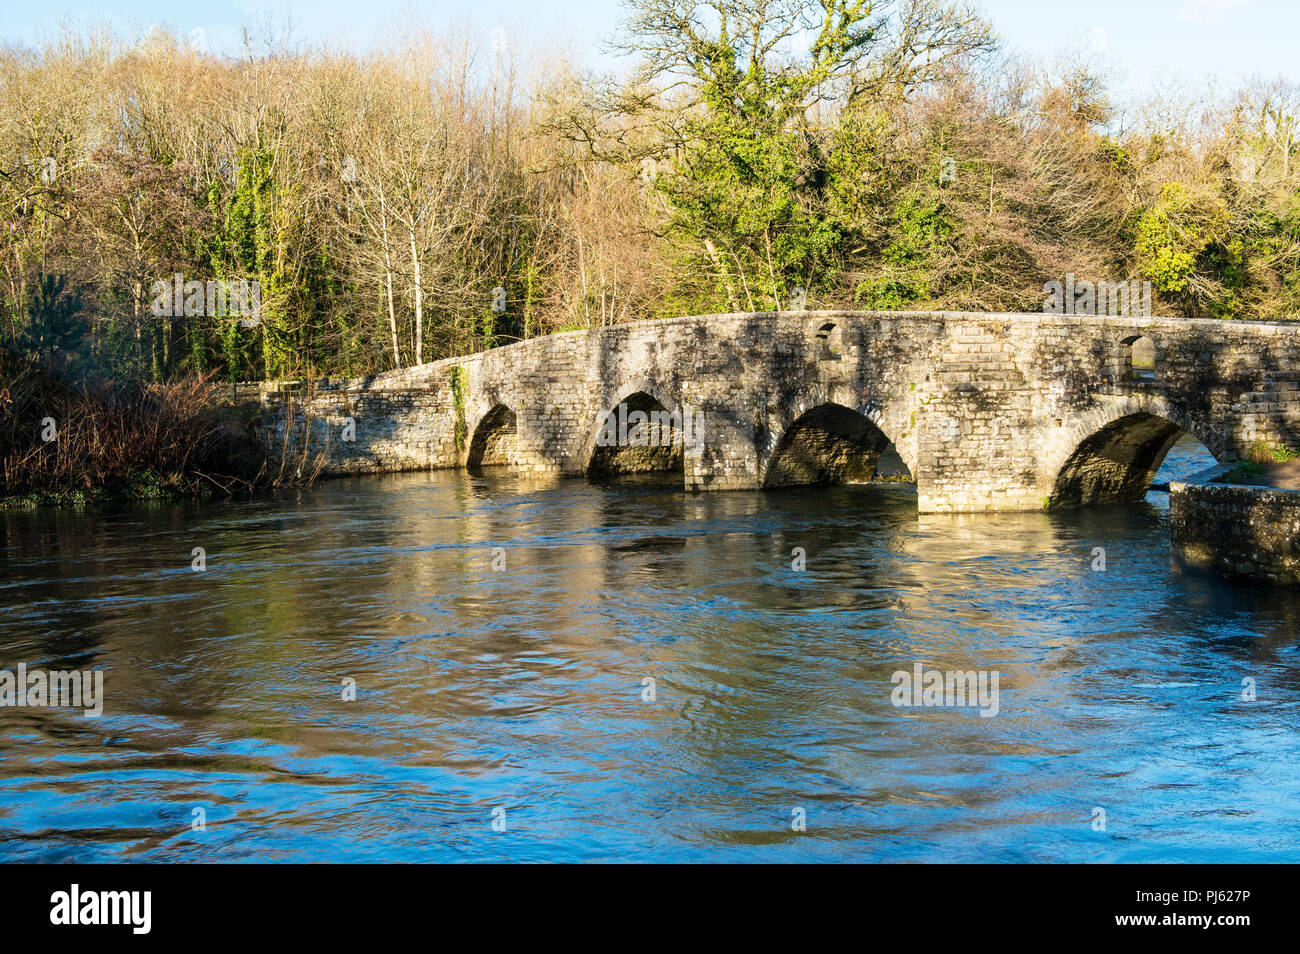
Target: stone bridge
(987,411)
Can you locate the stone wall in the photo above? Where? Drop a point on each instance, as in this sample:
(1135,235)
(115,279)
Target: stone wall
(395,428)
(988,411)
(1249,532)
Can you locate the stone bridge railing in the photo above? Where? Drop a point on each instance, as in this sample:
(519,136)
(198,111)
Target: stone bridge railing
(987,411)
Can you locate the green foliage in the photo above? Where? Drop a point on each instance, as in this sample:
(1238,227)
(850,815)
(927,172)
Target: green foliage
(55,330)
(1115,154)
(1228,262)
(1214,252)
(1169,239)
(739,190)
(890,292)
(1266,452)
(1243,472)
(920,227)
(241,248)
(458,389)
(260,239)
(749,189)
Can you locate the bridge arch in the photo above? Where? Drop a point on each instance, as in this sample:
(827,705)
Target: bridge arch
(495,439)
(640,433)
(1112,455)
(828,443)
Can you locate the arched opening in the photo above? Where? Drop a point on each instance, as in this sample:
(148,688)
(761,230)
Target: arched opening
(1138,358)
(495,440)
(638,436)
(1186,458)
(831,444)
(829,339)
(1118,463)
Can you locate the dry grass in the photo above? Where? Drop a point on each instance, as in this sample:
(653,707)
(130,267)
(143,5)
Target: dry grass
(131,441)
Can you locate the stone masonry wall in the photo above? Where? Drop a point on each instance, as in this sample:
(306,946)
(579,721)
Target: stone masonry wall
(1249,532)
(986,410)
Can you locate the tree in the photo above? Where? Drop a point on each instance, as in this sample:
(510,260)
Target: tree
(137,219)
(739,98)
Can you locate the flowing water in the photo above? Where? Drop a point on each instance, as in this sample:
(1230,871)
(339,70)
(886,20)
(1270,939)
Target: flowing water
(503,634)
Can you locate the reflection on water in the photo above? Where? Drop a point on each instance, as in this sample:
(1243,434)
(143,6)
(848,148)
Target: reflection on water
(522,688)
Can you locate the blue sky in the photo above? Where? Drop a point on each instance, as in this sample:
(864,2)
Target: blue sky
(1145,40)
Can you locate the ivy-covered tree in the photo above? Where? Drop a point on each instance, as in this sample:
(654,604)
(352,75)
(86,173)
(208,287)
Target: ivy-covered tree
(730,101)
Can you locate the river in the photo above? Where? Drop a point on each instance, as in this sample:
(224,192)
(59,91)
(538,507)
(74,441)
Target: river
(557,670)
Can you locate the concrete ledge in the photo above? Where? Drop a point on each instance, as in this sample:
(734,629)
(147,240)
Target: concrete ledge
(1237,530)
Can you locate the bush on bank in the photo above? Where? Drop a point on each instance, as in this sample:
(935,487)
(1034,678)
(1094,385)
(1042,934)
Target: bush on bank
(63,442)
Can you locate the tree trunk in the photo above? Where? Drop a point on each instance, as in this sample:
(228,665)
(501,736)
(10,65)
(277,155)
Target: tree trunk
(726,279)
(419,302)
(388,280)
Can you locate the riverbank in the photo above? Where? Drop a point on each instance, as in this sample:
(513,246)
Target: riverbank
(1279,476)
(92,441)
